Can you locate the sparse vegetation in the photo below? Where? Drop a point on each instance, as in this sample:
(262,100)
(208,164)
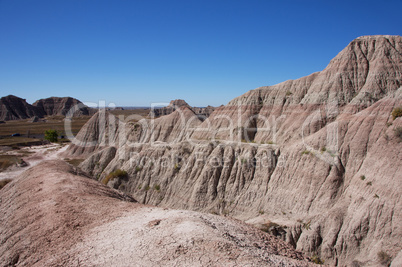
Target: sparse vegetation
(270,142)
(7,161)
(369,183)
(266,227)
(289,93)
(398,133)
(389,124)
(362,177)
(376,196)
(147,188)
(317,260)
(306,152)
(138,169)
(261,212)
(116,174)
(76,162)
(51,135)
(397,112)
(4,164)
(157,187)
(384,258)
(38,128)
(4,182)
(176,168)
(307,225)
(323,149)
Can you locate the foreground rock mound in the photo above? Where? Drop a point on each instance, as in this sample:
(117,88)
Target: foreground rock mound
(54,216)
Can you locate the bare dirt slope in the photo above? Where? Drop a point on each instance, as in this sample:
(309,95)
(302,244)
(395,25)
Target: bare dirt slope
(52,215)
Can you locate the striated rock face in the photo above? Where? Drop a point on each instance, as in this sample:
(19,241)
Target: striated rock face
(316,160)
(179,103)
(15,108)
(61,106)
(368,69)
(52,215)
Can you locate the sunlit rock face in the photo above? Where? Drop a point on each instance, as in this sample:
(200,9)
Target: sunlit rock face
(318,156)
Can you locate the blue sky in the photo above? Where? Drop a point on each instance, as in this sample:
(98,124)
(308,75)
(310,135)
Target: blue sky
(134,53)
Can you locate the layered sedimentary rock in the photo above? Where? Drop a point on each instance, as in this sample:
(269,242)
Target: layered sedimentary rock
(179,103)
(318,158)
(52,215)
(61,106)
(15,108)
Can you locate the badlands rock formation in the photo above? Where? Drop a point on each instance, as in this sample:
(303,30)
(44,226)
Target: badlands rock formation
(61,106)
(179,103)
(52,215)
(15,108)
(318,158)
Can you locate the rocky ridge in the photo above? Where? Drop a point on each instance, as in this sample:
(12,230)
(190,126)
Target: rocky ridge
(317,157)
(61,106)
(202,113)
(53,215)
(15,108)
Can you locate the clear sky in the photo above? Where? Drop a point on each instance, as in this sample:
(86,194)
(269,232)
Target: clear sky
(134,53)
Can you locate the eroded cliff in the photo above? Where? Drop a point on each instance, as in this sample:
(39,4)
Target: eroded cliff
(318,158)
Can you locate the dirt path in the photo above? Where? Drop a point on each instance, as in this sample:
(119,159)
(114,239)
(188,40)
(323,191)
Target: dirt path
(35,155)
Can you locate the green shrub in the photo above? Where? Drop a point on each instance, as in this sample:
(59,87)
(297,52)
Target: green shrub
(157,187)
(323,149)
(138,168)
(147,188)
(397,112)
(369,183)
(288,93)
(176,168)
(51,135)
(317,259)
(306,152)
(116,174)
(362,177)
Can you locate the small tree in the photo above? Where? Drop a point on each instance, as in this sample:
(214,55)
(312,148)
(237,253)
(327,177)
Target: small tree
(51,135)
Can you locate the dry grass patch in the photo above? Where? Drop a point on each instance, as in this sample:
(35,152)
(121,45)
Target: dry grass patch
(116,174)
(4,182)
(74,162)
(7,161)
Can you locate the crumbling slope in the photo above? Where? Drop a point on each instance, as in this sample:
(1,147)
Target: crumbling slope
(54,216)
